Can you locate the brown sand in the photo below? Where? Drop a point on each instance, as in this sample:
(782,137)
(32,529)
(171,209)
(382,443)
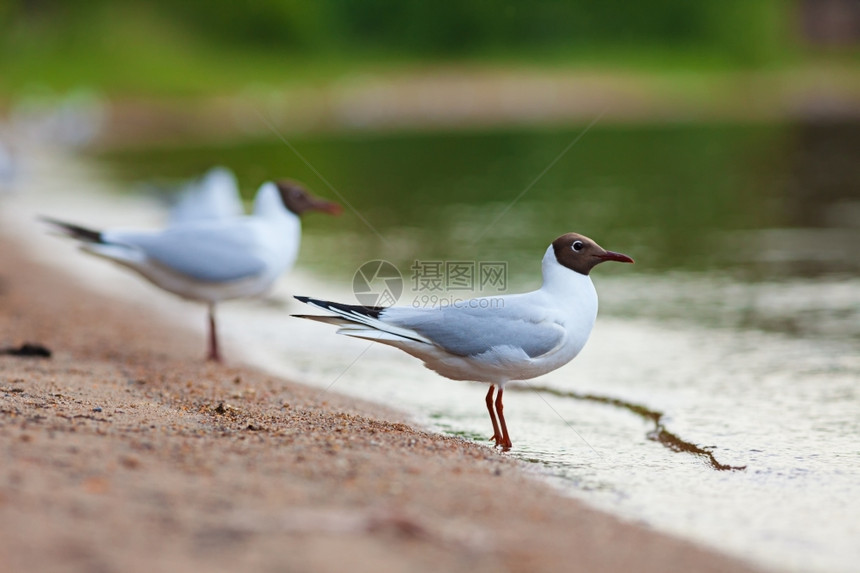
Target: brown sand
(124,452)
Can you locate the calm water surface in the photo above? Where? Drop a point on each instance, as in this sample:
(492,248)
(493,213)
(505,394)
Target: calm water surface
(734,341)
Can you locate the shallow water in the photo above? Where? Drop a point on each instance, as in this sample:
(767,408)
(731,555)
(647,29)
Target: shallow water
(739,326)
(785,408)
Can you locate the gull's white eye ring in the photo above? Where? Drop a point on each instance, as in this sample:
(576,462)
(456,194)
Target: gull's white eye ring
(577,245)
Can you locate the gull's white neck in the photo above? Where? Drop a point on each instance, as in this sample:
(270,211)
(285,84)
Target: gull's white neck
(284,226)
(268,204)
(566,285)
(572,297)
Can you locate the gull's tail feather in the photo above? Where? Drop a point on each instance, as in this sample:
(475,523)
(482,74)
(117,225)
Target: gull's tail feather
(360,321)
(75,231)
(328,319)
(367,333)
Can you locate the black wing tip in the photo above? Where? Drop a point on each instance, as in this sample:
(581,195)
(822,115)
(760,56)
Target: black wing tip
(51,220)
(74,231)
(371,311)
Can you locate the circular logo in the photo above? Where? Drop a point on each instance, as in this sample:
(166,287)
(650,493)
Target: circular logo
(377,283)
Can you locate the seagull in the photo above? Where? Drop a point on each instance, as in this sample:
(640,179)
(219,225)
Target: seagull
(213,260)
(492,339)
(215,195)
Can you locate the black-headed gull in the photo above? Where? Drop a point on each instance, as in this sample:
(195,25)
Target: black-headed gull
(215,260)
(213,196)
(493,339)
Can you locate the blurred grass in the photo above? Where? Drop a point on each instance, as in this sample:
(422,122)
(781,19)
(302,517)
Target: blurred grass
(136,48)
(132,50)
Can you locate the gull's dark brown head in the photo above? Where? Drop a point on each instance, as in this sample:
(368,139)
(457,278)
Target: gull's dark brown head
(581,254)
(300,201)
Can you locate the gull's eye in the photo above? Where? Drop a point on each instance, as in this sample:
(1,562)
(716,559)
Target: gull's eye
(578,245)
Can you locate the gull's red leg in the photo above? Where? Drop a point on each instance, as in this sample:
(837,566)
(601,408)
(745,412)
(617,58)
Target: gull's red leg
(500,409)
(497,435)
(214,355)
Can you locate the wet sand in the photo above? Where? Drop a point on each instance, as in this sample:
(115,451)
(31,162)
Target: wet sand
(125,452)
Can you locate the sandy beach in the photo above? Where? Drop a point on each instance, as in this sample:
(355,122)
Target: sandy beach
(123,451)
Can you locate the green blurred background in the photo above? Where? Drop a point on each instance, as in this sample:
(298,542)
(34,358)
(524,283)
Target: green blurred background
(718,122)
(133,47)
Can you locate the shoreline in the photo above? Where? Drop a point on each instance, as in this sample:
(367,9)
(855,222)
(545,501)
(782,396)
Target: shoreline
(471,97)
(125,451)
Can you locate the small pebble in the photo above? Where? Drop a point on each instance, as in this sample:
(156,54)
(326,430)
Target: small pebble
(97,409)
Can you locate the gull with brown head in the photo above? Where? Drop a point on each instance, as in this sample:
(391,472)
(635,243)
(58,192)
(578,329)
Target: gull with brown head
(213,259)
(493,339)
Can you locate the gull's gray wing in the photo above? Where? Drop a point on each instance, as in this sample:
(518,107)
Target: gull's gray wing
(471,331)
(208,252)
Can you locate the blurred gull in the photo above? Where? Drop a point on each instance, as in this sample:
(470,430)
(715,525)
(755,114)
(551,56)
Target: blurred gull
(73,120)
(493,339)
(213,260)
(213,196)
(8,168)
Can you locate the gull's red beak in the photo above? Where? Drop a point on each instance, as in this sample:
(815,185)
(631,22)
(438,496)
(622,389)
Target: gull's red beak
(324,206)
(613,256)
